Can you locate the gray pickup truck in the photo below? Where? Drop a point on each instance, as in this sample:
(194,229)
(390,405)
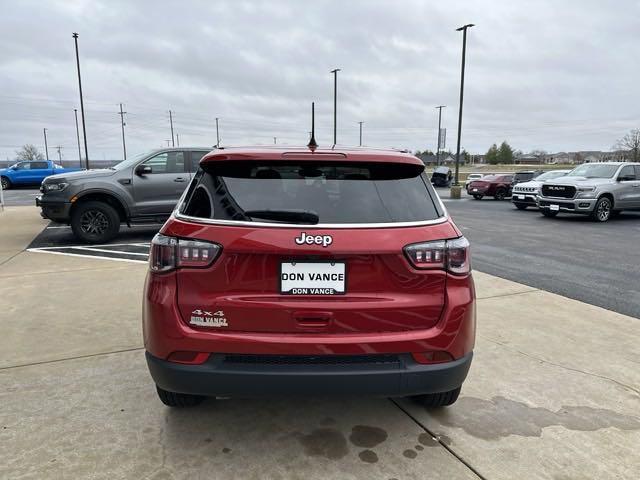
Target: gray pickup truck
(142,189)
(600,190)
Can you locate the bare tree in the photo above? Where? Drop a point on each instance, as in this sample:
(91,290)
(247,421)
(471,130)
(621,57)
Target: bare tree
(631,142)
(29,152)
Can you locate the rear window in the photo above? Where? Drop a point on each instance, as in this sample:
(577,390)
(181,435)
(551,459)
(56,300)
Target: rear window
(311,193)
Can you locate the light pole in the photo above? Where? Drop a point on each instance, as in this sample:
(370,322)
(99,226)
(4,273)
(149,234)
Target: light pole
(75,112)
(46,147)
(439,107)
(84,127)
(360,132)
(217,134)
(335,104)
(173,140)
(122,124)
(463,29)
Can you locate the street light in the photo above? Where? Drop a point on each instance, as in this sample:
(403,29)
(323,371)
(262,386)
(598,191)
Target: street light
(439,107)
(335,104)
(462,29)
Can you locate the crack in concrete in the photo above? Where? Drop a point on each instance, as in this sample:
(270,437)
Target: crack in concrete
(58,360)
(571,369)
(441,442)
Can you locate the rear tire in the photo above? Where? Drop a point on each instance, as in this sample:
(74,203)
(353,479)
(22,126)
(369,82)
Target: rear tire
(548,213)
(477,197)
(178,400)
(95,222)
(6,183)
(602,210)
(521,206)
(501,193)
(437,400)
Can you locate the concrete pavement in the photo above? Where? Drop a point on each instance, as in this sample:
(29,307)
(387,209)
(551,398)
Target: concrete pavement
(554,392)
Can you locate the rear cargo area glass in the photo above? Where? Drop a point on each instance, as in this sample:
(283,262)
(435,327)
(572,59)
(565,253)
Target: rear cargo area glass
(308,192)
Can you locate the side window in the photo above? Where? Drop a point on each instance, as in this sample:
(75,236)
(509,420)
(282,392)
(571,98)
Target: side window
(38,165)
(195,160)
(167,162)
(24,166)
(637,172)
(628,173)
(507,178)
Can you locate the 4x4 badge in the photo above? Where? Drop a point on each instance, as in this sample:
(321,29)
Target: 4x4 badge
(203,318)
(324,240)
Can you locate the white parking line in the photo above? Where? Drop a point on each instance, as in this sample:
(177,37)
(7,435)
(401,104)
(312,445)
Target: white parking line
(46,250)
(92,249)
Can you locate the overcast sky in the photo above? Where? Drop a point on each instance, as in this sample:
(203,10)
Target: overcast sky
(550,75)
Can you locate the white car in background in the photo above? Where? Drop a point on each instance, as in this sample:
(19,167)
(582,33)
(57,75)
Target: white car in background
(473,176)
(525,194)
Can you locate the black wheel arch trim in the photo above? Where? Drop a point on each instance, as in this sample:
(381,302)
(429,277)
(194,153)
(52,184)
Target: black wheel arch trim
(102,191)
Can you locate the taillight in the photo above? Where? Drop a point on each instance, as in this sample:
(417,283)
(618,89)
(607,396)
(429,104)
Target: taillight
(451,255)
(168,253)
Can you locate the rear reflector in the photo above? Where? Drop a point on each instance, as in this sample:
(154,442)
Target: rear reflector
(168,253)
(190,358)
(451,255)
(439,356)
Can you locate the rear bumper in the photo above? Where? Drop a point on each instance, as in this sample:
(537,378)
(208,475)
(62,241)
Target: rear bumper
(220,377)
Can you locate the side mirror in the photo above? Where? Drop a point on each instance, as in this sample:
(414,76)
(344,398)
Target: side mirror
(143,170)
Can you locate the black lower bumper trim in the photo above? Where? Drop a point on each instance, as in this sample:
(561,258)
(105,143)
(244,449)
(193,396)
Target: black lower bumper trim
(219,378)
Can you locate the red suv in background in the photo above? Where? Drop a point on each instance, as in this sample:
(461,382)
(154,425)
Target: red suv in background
(309,271)
(496,186)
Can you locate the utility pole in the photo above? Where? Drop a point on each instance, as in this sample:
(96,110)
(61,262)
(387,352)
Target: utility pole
(275,140)
(168,142)
(360,132)
(59,147)
(122,124)
(178,138)
(439,107)
(217,134)
(335,104)
(173,143)
(46,147)
(462,29)
(75,112)
(84,127)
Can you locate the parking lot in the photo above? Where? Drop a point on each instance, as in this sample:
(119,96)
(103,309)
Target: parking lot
(553,392)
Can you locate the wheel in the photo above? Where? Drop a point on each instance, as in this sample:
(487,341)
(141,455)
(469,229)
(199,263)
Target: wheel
(500,194)
(521,206)
(477,197)
(436,400)
(548,213)
(172,399)
(95,222)
(602,210)
(6,184)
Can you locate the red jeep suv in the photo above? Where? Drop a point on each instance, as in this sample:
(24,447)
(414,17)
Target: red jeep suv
(309,271)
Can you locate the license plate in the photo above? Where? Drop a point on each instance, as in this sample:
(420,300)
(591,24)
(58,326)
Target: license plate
(554,208)
(317,278)
(520,197)
(475,189)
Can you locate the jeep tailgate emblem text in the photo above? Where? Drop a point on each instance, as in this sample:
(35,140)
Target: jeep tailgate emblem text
(324,240)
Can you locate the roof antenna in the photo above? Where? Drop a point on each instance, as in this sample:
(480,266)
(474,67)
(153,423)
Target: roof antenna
(312,143)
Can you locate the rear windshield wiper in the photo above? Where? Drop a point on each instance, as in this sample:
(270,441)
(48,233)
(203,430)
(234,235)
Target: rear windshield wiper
(299,216)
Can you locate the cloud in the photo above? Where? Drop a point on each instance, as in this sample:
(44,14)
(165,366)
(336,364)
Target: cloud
(557,76)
